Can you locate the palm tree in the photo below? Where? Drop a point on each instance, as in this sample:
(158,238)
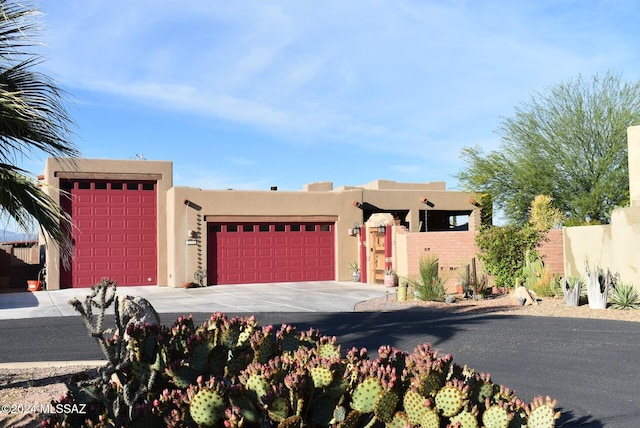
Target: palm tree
(33,120)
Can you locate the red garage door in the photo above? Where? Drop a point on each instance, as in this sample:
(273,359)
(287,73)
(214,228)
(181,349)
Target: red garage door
(270,252)
(115,233)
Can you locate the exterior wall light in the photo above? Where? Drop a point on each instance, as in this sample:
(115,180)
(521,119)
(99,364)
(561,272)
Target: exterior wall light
(382,229)
(356,229)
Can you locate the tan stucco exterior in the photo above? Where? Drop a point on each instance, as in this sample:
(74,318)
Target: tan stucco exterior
(183,212)
(161,171)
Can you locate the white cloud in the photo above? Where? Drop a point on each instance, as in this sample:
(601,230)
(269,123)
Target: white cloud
(392,76)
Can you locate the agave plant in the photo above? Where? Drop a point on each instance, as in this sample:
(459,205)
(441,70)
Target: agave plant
(428,286)
(625,296)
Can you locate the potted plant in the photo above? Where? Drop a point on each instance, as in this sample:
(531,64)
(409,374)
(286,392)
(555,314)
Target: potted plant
(355,271)
(390,278)
(401,295)
(571,289)
(598,283)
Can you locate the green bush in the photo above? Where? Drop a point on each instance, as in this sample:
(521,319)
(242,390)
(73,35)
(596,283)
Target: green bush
(503,250)
(428,285)
(234,373)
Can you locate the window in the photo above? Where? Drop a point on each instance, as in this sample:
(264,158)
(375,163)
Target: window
(232,228)
(325,228)
(100,185)
(116,186)
(280,227)
(310,227)
(148,186)
(132,186)
(84,185)
(263,228)
(295,228)
(247,228)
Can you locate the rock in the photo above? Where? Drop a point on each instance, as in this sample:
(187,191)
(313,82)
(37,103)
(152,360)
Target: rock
(137,311)
(450,299)
(523,293)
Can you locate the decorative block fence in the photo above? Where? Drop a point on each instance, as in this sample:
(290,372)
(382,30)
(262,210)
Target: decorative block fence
(456,249)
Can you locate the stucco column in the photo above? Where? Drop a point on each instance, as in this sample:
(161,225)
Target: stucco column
(633,142)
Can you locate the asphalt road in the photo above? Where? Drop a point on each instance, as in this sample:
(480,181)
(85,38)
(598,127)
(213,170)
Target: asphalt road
(591,366)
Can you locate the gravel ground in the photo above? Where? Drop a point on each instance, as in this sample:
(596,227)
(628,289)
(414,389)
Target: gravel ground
(25,392)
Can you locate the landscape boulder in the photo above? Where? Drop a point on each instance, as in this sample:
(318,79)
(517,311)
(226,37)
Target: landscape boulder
(137,311)
(523,293)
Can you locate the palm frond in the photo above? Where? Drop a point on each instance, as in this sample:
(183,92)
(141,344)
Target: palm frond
(25,202)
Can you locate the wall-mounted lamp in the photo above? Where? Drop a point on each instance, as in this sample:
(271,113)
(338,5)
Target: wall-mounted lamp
(427,202)
(356,229)
(357,204)
(382,229)
(472,201)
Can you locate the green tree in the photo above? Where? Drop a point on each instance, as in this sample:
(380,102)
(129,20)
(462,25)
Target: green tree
(568,142)
(33,120)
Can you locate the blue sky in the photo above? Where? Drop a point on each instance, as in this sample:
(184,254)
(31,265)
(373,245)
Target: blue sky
(253,94)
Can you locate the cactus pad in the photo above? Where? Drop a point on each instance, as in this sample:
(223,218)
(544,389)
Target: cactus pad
(449,400)
(464,419)
(322,377)
(542,413)
(430,419)
(414,405)
(206,407)
(496,417)
(399,420)
(278,409)
(366,394)
(386,405)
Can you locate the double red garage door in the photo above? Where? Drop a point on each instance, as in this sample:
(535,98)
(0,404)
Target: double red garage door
(270,252)
(115,232)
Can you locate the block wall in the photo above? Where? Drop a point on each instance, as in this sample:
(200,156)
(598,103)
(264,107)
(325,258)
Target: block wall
(456,249)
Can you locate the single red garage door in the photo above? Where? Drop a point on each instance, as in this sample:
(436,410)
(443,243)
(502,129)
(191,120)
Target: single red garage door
(115,233)
(270,252)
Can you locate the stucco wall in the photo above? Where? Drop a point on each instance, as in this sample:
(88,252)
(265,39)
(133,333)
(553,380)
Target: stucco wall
(259,206)
(586,243)
(162,171)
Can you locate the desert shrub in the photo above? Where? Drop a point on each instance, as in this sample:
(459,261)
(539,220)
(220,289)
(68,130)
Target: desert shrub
(428,285)
(503,250)
(624,296)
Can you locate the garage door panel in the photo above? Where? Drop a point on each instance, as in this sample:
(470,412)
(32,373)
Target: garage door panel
(115,235)
(270,252)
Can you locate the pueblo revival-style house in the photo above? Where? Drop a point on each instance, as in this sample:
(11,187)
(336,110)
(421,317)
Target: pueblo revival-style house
(133,226)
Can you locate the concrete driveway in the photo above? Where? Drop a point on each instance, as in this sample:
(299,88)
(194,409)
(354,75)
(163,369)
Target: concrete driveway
(319,296)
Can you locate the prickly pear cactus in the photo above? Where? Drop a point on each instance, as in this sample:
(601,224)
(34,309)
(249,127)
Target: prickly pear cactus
(261,377)
(415,406)
(465,419)
(496,416)
(207,407)
(430,419)
(450,399)
(385,405)
(321,376)
(366,394)
(542,413)
(399,420)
